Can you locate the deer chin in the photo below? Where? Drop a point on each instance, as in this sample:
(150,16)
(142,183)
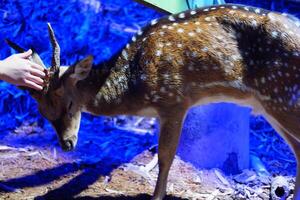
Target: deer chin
(68,144)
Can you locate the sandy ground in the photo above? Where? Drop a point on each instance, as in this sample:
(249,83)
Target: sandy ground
(35,174)
(34,167)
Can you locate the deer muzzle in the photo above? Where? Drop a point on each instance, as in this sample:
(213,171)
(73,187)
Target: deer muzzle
(68,144)
(67,134)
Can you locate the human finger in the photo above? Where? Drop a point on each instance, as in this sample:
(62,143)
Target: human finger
(35,79)
(37,72)
(25,54)
(36,66)
(33,85)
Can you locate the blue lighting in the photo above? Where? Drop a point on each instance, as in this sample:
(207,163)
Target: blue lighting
(101,28)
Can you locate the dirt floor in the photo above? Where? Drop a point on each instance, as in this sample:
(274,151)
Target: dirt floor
(34,167)
(32,174)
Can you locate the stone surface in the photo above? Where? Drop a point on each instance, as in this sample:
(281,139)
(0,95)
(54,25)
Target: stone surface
(216,136)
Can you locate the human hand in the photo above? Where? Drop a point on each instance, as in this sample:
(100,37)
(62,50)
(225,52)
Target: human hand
(17,69)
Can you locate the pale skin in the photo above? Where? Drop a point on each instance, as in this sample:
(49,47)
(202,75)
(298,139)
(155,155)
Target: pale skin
(18,70)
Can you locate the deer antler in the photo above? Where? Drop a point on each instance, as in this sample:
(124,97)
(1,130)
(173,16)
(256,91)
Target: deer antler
(56,51)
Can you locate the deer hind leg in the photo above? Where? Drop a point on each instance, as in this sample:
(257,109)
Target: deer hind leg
(296,148)
(171,124)
(290,130)
(293,143)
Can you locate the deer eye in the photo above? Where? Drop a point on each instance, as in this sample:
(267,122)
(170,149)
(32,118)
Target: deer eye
(70,105)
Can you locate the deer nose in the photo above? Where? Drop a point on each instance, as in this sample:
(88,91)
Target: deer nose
(67,145)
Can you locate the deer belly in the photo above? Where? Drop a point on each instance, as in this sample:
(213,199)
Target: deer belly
(147,112)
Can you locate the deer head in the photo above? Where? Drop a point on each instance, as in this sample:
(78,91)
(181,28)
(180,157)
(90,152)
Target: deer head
(59,102)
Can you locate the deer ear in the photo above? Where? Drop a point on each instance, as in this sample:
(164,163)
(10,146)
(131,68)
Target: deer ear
(82,69)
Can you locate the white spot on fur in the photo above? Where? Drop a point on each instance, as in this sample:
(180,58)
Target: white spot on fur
(194,54)
(160,45)
(198,30)
(158,53)
(193,12)
(181,15)
(154,21)
(207,19)
(205,49)
(257,10)
(171,18)
(143,77)
(274,34)
(124,54)
(192,34)
(180,30)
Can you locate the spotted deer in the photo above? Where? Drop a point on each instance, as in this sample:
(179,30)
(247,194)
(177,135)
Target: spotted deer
(226,53)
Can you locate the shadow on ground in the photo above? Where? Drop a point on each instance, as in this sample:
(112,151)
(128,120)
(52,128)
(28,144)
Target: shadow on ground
(88,174)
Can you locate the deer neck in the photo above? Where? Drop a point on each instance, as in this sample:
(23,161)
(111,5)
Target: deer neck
(106,88)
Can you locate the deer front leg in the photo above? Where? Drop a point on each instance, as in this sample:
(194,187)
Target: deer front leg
(170,130)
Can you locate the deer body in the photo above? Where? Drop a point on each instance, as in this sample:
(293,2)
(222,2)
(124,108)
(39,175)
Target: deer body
(227,53)
(223,54)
